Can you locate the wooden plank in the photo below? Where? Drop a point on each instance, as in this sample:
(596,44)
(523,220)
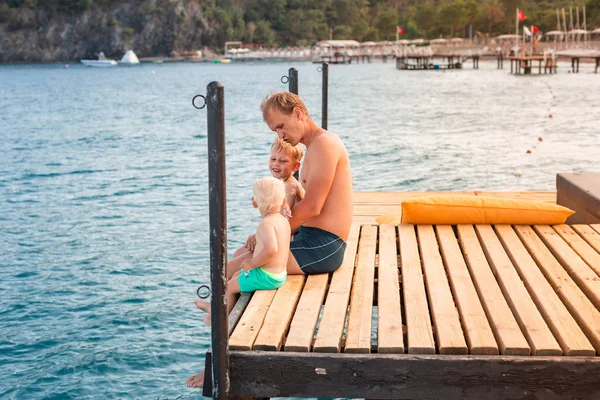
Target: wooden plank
(586,315)
(528,317)
(581,273)
(580,246)
(331,327)
(478,333)
(388,376)
(238,310)
(246,331)
(569,335)
(548,197)
(390,338)
(358,333)
(394,197)
(448,332)
(418,323)
(508,335)
(375,209)
(589,234)
(302,328)
(398,197)
(596,227)
(280,314)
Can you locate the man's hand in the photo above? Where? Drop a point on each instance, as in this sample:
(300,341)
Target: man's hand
(286,211)
(246,266)
(250,243)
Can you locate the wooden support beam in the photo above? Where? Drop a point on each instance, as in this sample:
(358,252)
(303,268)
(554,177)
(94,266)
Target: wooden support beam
(386,376)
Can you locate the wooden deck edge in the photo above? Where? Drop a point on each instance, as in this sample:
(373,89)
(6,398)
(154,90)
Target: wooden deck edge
(268,374)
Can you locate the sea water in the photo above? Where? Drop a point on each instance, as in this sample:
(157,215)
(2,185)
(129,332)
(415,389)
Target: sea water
(104,193)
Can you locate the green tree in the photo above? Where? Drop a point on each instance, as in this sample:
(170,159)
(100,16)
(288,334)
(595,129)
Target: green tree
(264,34)
(359,30)
(341,32)
(453,16)
(492,12)
(387,23)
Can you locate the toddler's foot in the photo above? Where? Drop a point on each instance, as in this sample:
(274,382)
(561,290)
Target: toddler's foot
(203,305)
(196,381)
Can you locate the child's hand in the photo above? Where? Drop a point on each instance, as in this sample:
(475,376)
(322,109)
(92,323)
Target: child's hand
(286,211)
(246,266)
(250,243)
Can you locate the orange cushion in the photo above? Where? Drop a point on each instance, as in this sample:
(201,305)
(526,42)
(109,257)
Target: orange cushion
(461,209)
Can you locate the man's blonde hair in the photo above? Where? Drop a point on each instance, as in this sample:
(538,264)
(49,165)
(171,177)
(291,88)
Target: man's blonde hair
(295,152)
(268,193)
(283,102)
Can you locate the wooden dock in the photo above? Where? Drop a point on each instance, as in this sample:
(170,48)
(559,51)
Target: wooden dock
(524,65)
(422,311)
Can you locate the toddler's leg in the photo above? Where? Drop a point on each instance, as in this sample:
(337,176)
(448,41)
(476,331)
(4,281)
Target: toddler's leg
(235,264)
(196,381)
(203,305)
(233,289)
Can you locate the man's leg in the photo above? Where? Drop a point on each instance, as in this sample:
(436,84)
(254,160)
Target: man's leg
(292,266)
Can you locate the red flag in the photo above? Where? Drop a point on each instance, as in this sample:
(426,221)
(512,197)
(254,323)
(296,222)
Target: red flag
(534,29)
(400,31)
(521,16)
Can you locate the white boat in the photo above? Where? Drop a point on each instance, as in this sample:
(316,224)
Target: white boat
(102,61)
(129,58)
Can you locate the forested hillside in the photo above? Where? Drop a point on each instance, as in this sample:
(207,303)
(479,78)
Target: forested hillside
(48,30)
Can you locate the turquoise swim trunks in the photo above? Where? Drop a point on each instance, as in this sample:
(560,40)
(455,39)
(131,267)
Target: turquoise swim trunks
(259,279)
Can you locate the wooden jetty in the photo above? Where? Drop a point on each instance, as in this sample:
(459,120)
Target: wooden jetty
(422,311)
(434,62)
(524,65)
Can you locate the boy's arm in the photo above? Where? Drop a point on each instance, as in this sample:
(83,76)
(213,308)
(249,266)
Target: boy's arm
(319,183)
(267,237)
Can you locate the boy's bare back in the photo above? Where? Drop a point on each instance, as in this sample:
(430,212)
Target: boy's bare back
(273,232)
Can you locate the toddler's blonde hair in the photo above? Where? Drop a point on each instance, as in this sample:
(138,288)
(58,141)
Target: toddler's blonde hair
(295,152)
(268,193)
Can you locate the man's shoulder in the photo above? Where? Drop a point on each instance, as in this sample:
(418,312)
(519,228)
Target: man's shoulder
(328,141)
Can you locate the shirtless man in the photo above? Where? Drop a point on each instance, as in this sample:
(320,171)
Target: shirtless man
(321,220)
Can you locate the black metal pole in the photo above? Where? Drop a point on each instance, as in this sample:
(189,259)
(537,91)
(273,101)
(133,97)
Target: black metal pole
(293,76)
(218,238)
(325,70)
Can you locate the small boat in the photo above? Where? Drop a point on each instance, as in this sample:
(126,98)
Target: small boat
(102,61)
(129,58)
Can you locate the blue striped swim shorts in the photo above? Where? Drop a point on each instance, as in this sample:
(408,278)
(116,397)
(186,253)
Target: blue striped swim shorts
(317,251)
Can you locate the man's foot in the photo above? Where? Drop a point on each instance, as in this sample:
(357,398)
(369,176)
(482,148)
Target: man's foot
(207,319)
(203,305)
(196,381)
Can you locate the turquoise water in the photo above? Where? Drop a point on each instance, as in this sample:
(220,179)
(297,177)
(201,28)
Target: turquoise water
(103,186)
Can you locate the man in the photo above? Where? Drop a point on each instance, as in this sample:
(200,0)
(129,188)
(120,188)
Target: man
(321,220)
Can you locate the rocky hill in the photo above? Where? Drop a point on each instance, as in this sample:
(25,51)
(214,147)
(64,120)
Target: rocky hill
(154,28)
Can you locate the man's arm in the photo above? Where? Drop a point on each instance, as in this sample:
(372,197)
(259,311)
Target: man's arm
(318,182)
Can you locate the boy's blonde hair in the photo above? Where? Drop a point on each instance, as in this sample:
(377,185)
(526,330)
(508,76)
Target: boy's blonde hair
(268,193)
(283,102)
(295,152)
